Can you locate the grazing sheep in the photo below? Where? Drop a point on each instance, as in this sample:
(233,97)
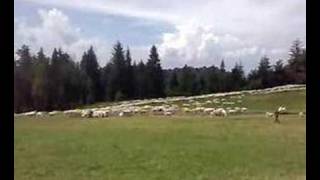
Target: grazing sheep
(142,111)
(32,113)
(302,114)
(40,113)
(172,109)
(99,114)
(269,114)
(126,113)
(73,113)
(219,112)
(186,110)
(191,101)
(282,109)
(86,113)
(198,110)
(17,115)
(158,110)
(228,103)
(232,111)
(121,114)
(208,110)
(52,113)
(244,109)
(168,113)
(197,104)
(146,107)
(216,101)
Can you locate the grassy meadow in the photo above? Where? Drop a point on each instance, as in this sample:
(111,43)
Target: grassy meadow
(247,146)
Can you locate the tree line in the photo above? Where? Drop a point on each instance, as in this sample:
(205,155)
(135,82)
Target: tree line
(58,83)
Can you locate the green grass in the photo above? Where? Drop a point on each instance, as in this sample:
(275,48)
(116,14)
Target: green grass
(247,146)
(294,101)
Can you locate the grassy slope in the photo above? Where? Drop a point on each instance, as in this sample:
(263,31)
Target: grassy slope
(239,147)
(295,101)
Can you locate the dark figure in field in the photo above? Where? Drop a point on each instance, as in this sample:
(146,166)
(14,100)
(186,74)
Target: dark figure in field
(276,116)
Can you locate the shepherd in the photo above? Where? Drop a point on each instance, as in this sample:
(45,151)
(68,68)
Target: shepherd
(276,116)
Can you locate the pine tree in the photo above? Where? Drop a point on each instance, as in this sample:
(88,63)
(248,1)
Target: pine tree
(129,89)
(296,70)
(222,66)
(90,66)
(202,85)
(24,69)
(188,81)
(140,80)
(237,77)
(279,74)
(155,85)
(40,81)
(264,72)
(173,84)
(117,78)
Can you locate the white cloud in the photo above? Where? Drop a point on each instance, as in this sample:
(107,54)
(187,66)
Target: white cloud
(54,31)
(208,30)
(198,46)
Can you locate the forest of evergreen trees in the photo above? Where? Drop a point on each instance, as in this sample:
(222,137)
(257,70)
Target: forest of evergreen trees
(57,82)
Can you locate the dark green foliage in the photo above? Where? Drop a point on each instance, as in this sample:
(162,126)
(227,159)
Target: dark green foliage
(188,85)
(129,76)
(117,75)
(297,63)
(238,78)
(40,81)
(140,80)
(24,80)
(155,77)
(173,85)
(89,65)
(222,66)
(57,82)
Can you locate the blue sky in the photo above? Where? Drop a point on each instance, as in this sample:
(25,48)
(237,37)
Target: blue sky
(198,33)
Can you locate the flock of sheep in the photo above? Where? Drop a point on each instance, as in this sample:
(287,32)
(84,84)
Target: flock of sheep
(283,110)
(215,105)
(167,109)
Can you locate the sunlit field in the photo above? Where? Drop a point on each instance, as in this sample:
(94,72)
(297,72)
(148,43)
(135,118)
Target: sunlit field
(188,147)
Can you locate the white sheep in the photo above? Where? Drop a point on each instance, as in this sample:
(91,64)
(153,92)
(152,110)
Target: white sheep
(125,113)
(186,105)
(31,113)
(198,110)
(282,109)
(219,112)
(244,109)
(186,110)
(52,113)
(99,114)
(86,113)
(232,111)
(208,110)
(40,113)
(269,114)
(142,111)
(168,113)
(301,114)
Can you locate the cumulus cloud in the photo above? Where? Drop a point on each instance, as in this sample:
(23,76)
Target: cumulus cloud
(201,46)
(209,30)
(55,30)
